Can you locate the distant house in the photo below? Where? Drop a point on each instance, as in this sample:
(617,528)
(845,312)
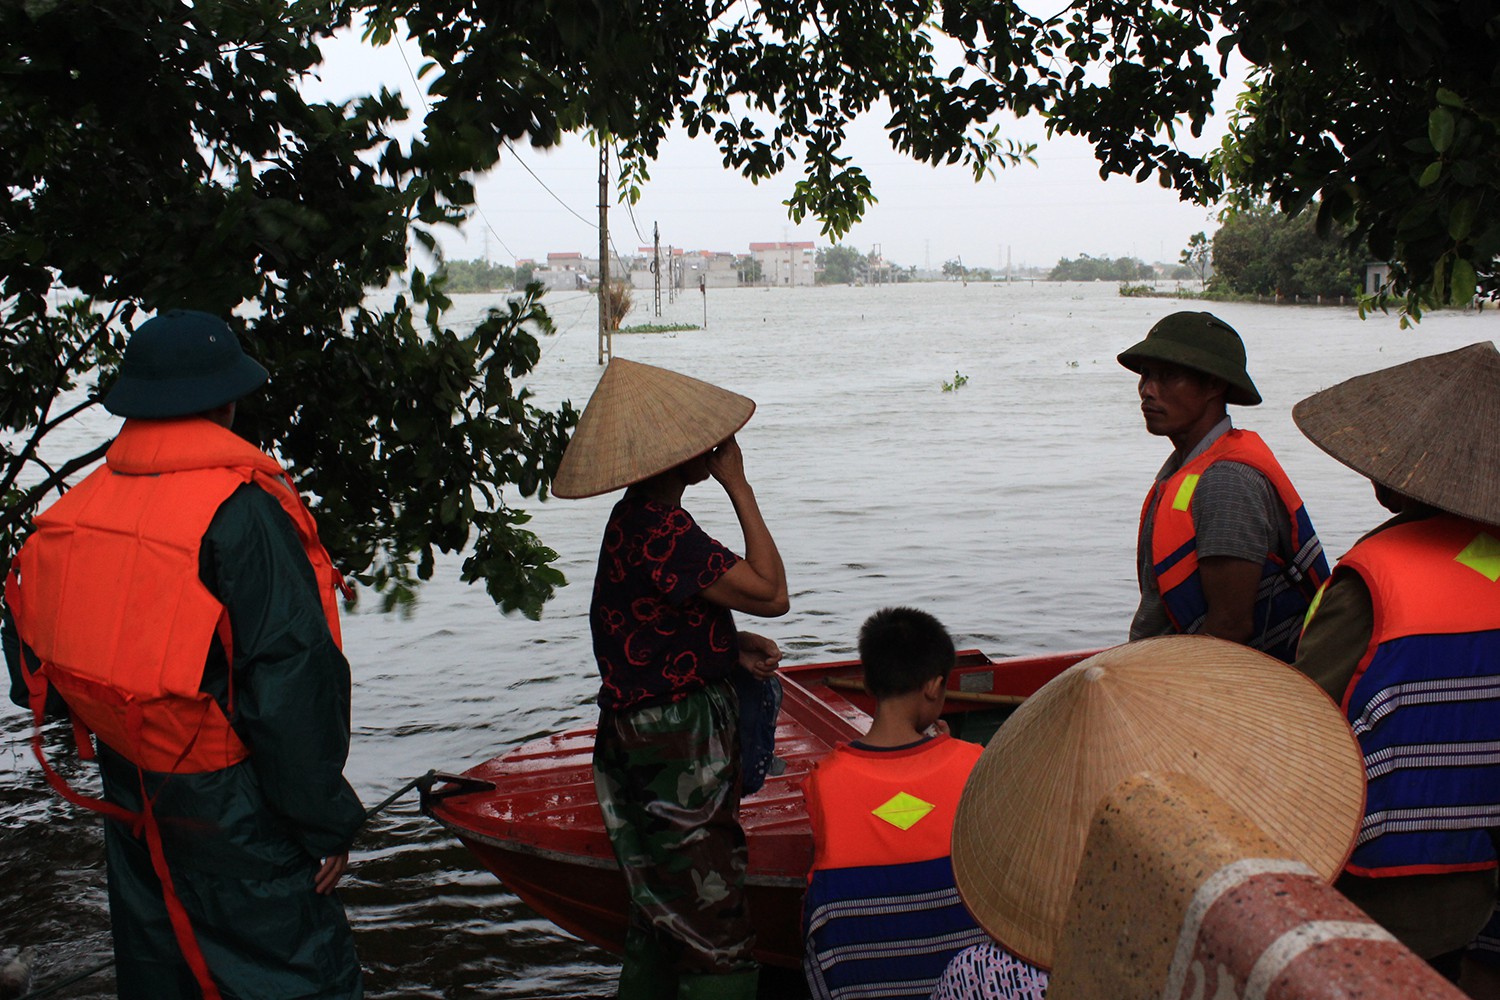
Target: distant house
(588,266)
(642,275)
(1377,277)
(710,269)
(785,264)
(560,279)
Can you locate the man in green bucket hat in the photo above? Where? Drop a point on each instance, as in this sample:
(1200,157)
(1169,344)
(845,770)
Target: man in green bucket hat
(1225,545)
(178,601)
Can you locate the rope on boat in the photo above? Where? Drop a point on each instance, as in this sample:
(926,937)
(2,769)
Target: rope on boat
(424,782)
(455,784)
(77,977)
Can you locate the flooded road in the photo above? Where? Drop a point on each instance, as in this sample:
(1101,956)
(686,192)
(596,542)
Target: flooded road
(1006,507)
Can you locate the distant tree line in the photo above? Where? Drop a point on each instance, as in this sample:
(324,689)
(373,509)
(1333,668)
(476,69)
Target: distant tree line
(954,269)
(482,276)
(1262,251)
(842,264)
(1087,268)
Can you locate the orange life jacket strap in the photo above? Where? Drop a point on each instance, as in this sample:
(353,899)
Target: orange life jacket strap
(182,927)
(140,823)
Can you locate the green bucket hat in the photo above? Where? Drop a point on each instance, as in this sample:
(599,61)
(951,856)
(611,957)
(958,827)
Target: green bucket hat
(179,363)
(1200,341)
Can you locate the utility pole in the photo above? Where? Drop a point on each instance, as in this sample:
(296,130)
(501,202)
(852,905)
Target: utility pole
(606,337)
(656,263)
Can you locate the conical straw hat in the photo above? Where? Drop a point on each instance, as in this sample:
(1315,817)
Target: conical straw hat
(1260,735)
(642,420)
(1429,429)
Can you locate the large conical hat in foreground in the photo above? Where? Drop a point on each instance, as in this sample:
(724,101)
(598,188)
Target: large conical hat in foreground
(642,420)
(1429,429)
(1260,735)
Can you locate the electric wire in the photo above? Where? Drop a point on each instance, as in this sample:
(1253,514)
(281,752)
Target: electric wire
(426,110)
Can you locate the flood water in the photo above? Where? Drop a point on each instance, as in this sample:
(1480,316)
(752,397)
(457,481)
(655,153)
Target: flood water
(1006,507)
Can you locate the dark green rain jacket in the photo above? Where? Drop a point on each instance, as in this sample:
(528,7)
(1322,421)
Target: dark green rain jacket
(243,844)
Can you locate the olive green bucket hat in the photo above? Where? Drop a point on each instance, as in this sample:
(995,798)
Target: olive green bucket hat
(1200,341)
(180,363)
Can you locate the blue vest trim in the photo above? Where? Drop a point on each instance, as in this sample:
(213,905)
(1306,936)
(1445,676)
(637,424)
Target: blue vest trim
(1427,716)
(894,927)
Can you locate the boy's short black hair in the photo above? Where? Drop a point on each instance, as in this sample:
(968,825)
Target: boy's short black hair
(902,649)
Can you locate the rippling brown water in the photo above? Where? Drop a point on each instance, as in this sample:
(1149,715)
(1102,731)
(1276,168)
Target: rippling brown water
(1007,508)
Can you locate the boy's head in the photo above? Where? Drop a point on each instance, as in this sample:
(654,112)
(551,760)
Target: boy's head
(903,649)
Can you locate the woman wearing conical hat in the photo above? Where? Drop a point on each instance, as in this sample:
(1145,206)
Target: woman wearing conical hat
(666,760)
(1406,638)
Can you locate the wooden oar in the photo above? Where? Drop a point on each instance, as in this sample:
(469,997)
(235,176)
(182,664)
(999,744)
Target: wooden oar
(854,684)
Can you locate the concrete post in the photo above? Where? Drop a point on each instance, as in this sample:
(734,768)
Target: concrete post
(1181,897)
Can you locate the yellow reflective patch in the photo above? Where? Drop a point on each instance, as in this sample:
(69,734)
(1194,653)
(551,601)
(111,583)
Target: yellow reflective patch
(1185,493)
(1482,555)
(1312,608)
(903,811)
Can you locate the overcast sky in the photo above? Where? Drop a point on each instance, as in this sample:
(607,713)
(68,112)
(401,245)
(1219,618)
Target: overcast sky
(925,215)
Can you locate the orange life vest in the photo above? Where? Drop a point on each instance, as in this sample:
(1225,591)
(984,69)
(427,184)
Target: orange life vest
(882,916)
(106,590)
(1286,588)
(1424,702)
(887,807)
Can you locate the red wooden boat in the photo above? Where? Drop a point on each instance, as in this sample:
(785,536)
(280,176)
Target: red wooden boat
(531,817)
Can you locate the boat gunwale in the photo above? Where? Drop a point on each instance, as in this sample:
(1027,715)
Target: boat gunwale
(589,860)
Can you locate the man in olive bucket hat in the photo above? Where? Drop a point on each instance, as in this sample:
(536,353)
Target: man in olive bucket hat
(1225,545)
(1405,636)
(666,759)
(179,602)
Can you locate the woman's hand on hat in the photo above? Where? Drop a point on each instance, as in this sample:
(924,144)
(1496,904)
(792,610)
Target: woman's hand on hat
(726,463)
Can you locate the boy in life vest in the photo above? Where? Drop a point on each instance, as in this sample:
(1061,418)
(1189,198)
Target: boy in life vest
(882,916)
(1405,638)
(180,603)
(1225,545)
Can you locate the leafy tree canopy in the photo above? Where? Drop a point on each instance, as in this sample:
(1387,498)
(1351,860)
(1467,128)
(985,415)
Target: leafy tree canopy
(1197,258)
(160,153)
(1086,268)
(1382,119)
(840,265)
(1261,251)
(477,276)
(1383,116)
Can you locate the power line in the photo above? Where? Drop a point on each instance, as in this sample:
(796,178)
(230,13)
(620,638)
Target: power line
(427,110)
(400,49)
(523,163)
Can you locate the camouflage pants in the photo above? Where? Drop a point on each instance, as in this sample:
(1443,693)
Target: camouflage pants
(668,783)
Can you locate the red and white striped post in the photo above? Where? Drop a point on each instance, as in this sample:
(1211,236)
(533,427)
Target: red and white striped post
(1181,897)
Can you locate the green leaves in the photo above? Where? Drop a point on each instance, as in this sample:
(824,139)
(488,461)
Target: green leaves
(1465,283)
(230,192)
(1440,128)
